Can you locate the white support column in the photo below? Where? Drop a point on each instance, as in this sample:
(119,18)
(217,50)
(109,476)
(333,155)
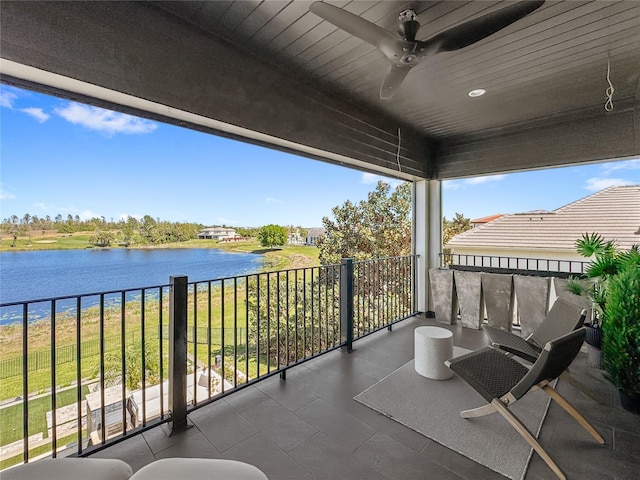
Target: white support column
(427,235)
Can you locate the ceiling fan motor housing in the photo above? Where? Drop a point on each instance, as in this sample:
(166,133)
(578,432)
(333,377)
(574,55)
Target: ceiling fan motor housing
(409,26)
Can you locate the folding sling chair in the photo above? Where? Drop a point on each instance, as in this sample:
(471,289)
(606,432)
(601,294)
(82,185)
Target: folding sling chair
(502,380)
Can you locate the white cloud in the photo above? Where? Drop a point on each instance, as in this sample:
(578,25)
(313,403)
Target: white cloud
(87,214)
(450,185)
(598,183)
(273,200)
(369,178)
(4,195)
(480,180)
(103,120)
(47,207)
(622,165)
(36,113)
(7,98)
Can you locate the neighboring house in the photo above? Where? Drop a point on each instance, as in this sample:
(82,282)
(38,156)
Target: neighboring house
(294,237)
(219,233)
(481,221)
(313,234)
(613,212)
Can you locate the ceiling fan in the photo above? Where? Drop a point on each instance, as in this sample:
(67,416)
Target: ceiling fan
(405,52)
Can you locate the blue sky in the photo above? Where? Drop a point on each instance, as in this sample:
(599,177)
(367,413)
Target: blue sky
(60,157)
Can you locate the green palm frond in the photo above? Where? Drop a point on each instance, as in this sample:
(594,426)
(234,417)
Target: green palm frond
(590,244)
(603,266)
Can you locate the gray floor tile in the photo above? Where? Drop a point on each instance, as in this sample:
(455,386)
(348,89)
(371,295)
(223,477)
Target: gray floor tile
(258,450)
(194,446)
(160,438)
(223,426)
(462,466)
(135,451)
(395,460)
(286,393)
(336,424)
(283,427)
(245,398)
(327,461)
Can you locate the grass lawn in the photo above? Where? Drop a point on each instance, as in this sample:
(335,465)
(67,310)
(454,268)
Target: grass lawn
(11,417)
(49,241)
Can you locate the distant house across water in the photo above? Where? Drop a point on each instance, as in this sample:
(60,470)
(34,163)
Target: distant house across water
(313,234)
(219,233)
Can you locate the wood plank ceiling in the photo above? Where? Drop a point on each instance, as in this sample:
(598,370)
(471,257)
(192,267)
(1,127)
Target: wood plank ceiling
(552,62)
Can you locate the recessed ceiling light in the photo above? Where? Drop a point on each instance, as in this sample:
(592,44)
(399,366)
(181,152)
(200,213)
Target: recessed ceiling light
(477,93)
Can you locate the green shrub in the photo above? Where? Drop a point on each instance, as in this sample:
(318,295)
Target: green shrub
(621,331)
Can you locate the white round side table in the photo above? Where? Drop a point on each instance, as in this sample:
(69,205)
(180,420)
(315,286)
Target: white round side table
(433,346)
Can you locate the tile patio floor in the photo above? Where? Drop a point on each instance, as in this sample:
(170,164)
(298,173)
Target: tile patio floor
(309,427)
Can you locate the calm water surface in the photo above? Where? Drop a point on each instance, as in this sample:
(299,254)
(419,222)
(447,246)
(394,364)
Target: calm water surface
(55,273)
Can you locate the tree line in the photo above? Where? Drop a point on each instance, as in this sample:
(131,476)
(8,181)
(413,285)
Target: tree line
(377,227)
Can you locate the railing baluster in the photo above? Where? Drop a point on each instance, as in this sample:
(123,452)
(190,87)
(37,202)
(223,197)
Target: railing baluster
(222,350)
(313,343)
(246,327)
(235,331)
(287,316)
(296,313)
(161,348)
(79,372)
(258,319)
(209,315)
(25,382)
(195,343)
(143,359)
(268,323)
(304,312)
(103,421)
(54,406)
(123,356)
(178,305)
(346,304)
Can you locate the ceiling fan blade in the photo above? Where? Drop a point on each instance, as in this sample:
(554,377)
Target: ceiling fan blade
(393,80)
(479,28)
(359,27)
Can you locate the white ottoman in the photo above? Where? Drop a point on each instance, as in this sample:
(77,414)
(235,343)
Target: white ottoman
(70,468)
(198,469)
(433,345)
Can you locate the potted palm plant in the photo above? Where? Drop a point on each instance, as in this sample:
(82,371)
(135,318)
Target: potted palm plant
(613,285)
(605,262)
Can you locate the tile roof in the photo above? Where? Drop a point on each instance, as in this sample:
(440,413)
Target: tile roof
(613,212)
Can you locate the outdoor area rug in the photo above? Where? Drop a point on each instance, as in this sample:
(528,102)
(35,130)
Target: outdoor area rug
(432,408)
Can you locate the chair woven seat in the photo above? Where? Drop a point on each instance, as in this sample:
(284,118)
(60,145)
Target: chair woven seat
(493,373)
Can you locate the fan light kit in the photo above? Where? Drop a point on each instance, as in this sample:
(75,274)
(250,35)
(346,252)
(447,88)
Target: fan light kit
(405,52)
(478,92)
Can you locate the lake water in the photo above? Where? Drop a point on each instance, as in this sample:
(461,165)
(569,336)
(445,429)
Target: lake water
(54,273)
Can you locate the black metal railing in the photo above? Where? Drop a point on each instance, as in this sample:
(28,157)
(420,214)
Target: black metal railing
(145,356)
(491,263)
